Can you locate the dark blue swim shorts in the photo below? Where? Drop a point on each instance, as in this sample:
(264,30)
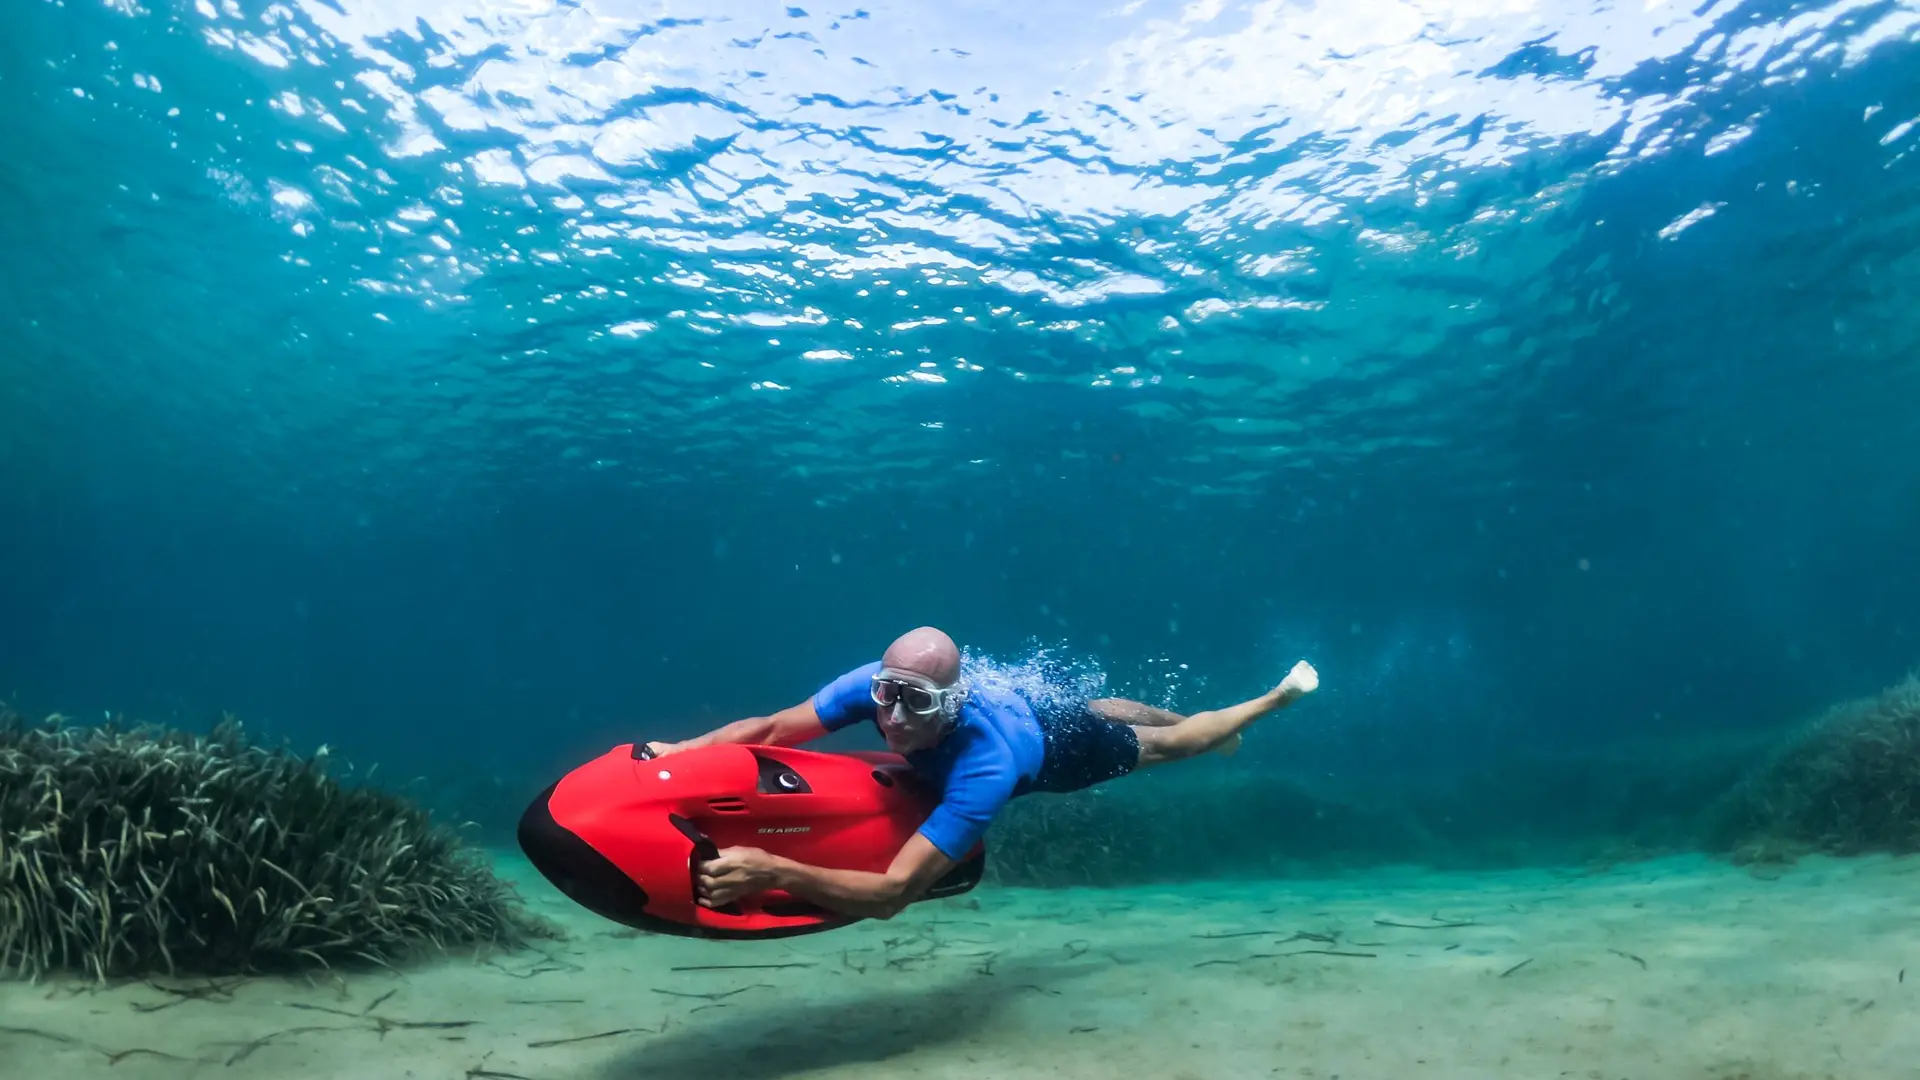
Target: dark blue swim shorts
(1082,748)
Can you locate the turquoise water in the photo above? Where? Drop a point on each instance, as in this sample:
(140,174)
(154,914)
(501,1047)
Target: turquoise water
(474,386)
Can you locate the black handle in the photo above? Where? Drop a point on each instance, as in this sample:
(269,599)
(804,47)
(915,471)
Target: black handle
(703,850)
(703,846)
(643,751)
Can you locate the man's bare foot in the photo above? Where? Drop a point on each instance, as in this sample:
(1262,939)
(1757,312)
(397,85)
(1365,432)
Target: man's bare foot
(1300,682)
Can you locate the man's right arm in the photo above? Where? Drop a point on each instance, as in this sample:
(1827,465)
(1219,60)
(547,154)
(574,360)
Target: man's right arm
(788,727)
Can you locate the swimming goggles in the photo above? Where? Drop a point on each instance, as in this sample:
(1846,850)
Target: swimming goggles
(915,698)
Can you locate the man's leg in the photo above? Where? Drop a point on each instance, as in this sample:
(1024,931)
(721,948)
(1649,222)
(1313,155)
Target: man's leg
(1137,714)
(1166,736)
(1126,711)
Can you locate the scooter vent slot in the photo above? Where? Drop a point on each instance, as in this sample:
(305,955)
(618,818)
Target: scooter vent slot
(728,805)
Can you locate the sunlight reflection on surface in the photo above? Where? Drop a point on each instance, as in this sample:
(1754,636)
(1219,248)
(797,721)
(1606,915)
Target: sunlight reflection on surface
(590,224)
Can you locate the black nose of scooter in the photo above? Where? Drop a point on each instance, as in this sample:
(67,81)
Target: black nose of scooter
(587,877)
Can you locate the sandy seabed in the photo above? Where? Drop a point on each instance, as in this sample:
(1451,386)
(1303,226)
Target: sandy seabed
(1678,969)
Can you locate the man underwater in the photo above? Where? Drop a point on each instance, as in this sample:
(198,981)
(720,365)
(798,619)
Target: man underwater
(979,746)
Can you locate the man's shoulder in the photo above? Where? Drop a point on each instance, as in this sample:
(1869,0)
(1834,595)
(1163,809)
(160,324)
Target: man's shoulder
(999,705)
(998,696)
(999,710)
(845,699)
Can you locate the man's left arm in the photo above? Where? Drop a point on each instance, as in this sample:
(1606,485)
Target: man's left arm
(975,794)
(857,892)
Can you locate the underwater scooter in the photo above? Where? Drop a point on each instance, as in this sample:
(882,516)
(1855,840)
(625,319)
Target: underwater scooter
(624,834)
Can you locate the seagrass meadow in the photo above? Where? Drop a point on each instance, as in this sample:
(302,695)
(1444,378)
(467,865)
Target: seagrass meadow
(129,851)
(1845,783)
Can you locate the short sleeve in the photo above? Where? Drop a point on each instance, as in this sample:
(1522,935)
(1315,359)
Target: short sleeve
(847,699)
(981,783)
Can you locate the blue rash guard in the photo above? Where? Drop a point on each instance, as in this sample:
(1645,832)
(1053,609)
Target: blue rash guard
(994,748)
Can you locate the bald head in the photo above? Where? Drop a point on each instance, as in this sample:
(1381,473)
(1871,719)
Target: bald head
(926,652)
